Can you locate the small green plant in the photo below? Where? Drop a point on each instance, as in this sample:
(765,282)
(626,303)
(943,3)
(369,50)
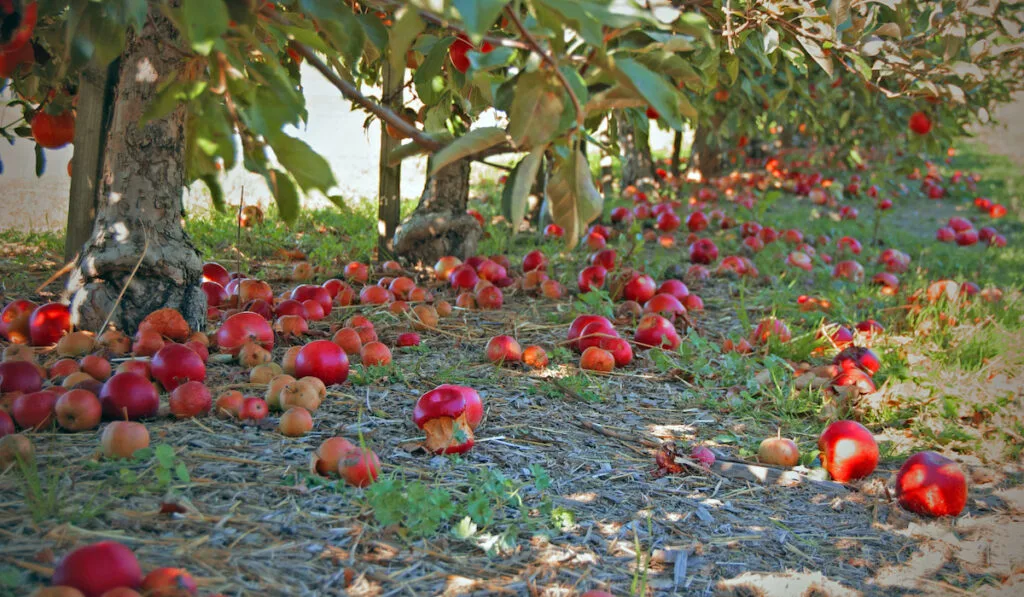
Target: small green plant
(595,302)
(42,493)
(643,563)
(376,374)
(489,509)
(163,463)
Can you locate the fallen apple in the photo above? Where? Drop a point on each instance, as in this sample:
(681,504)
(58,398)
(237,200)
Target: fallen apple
(848,451)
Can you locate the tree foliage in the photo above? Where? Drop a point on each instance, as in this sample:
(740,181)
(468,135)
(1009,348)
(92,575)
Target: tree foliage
(848,73)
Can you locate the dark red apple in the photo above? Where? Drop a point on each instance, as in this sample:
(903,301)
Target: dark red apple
(35,410)
(20,376)
(129,396)
(932,485)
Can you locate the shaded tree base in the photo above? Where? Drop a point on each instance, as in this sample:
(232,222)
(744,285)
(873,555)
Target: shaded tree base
(440,225)
(94,301)
(427,236)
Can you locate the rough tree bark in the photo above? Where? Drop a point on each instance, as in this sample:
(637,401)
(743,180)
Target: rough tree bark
(95,101)
(139,207)
(637,163)
(389,189)
(440,225)
(705,156)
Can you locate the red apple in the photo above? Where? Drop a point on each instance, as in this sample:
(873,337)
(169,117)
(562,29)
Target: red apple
(577,325)
(14,320)
(48,323)
(704,251)
(6,424)
(129,395)
(502,349)
(169,582)
(591,278)
(20,376)
(98,568)
(932,485)
(359,466)
(253,409)
(78,410)
(241,328)
(848,451)
(175,364)
(35,410)
(323,360)
(190,399)
(655,331)
(639,288)
(216,273)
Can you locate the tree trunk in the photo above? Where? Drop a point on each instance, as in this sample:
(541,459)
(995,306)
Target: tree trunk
(95,101)
(677,150)
(389,189)
(637,163)
(705,155)
(139,208)
(440,225)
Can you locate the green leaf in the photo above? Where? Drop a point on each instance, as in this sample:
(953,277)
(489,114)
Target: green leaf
(181,472)
(342,29)
(174,92)
(572,197)
(541,478)
(205,22)
(408,25)
(576,16)
(839,10)
(308,167)
(164,455)
(97,37)
(472,142)
(429,70)
(216,191)
(376,32)
(285,194)
(478,16)
(732,67)
(536,110)
(518,186)
(814,51)
(655,89)
(694,23)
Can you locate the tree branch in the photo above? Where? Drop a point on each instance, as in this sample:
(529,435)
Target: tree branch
(352,93)
(534,46)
